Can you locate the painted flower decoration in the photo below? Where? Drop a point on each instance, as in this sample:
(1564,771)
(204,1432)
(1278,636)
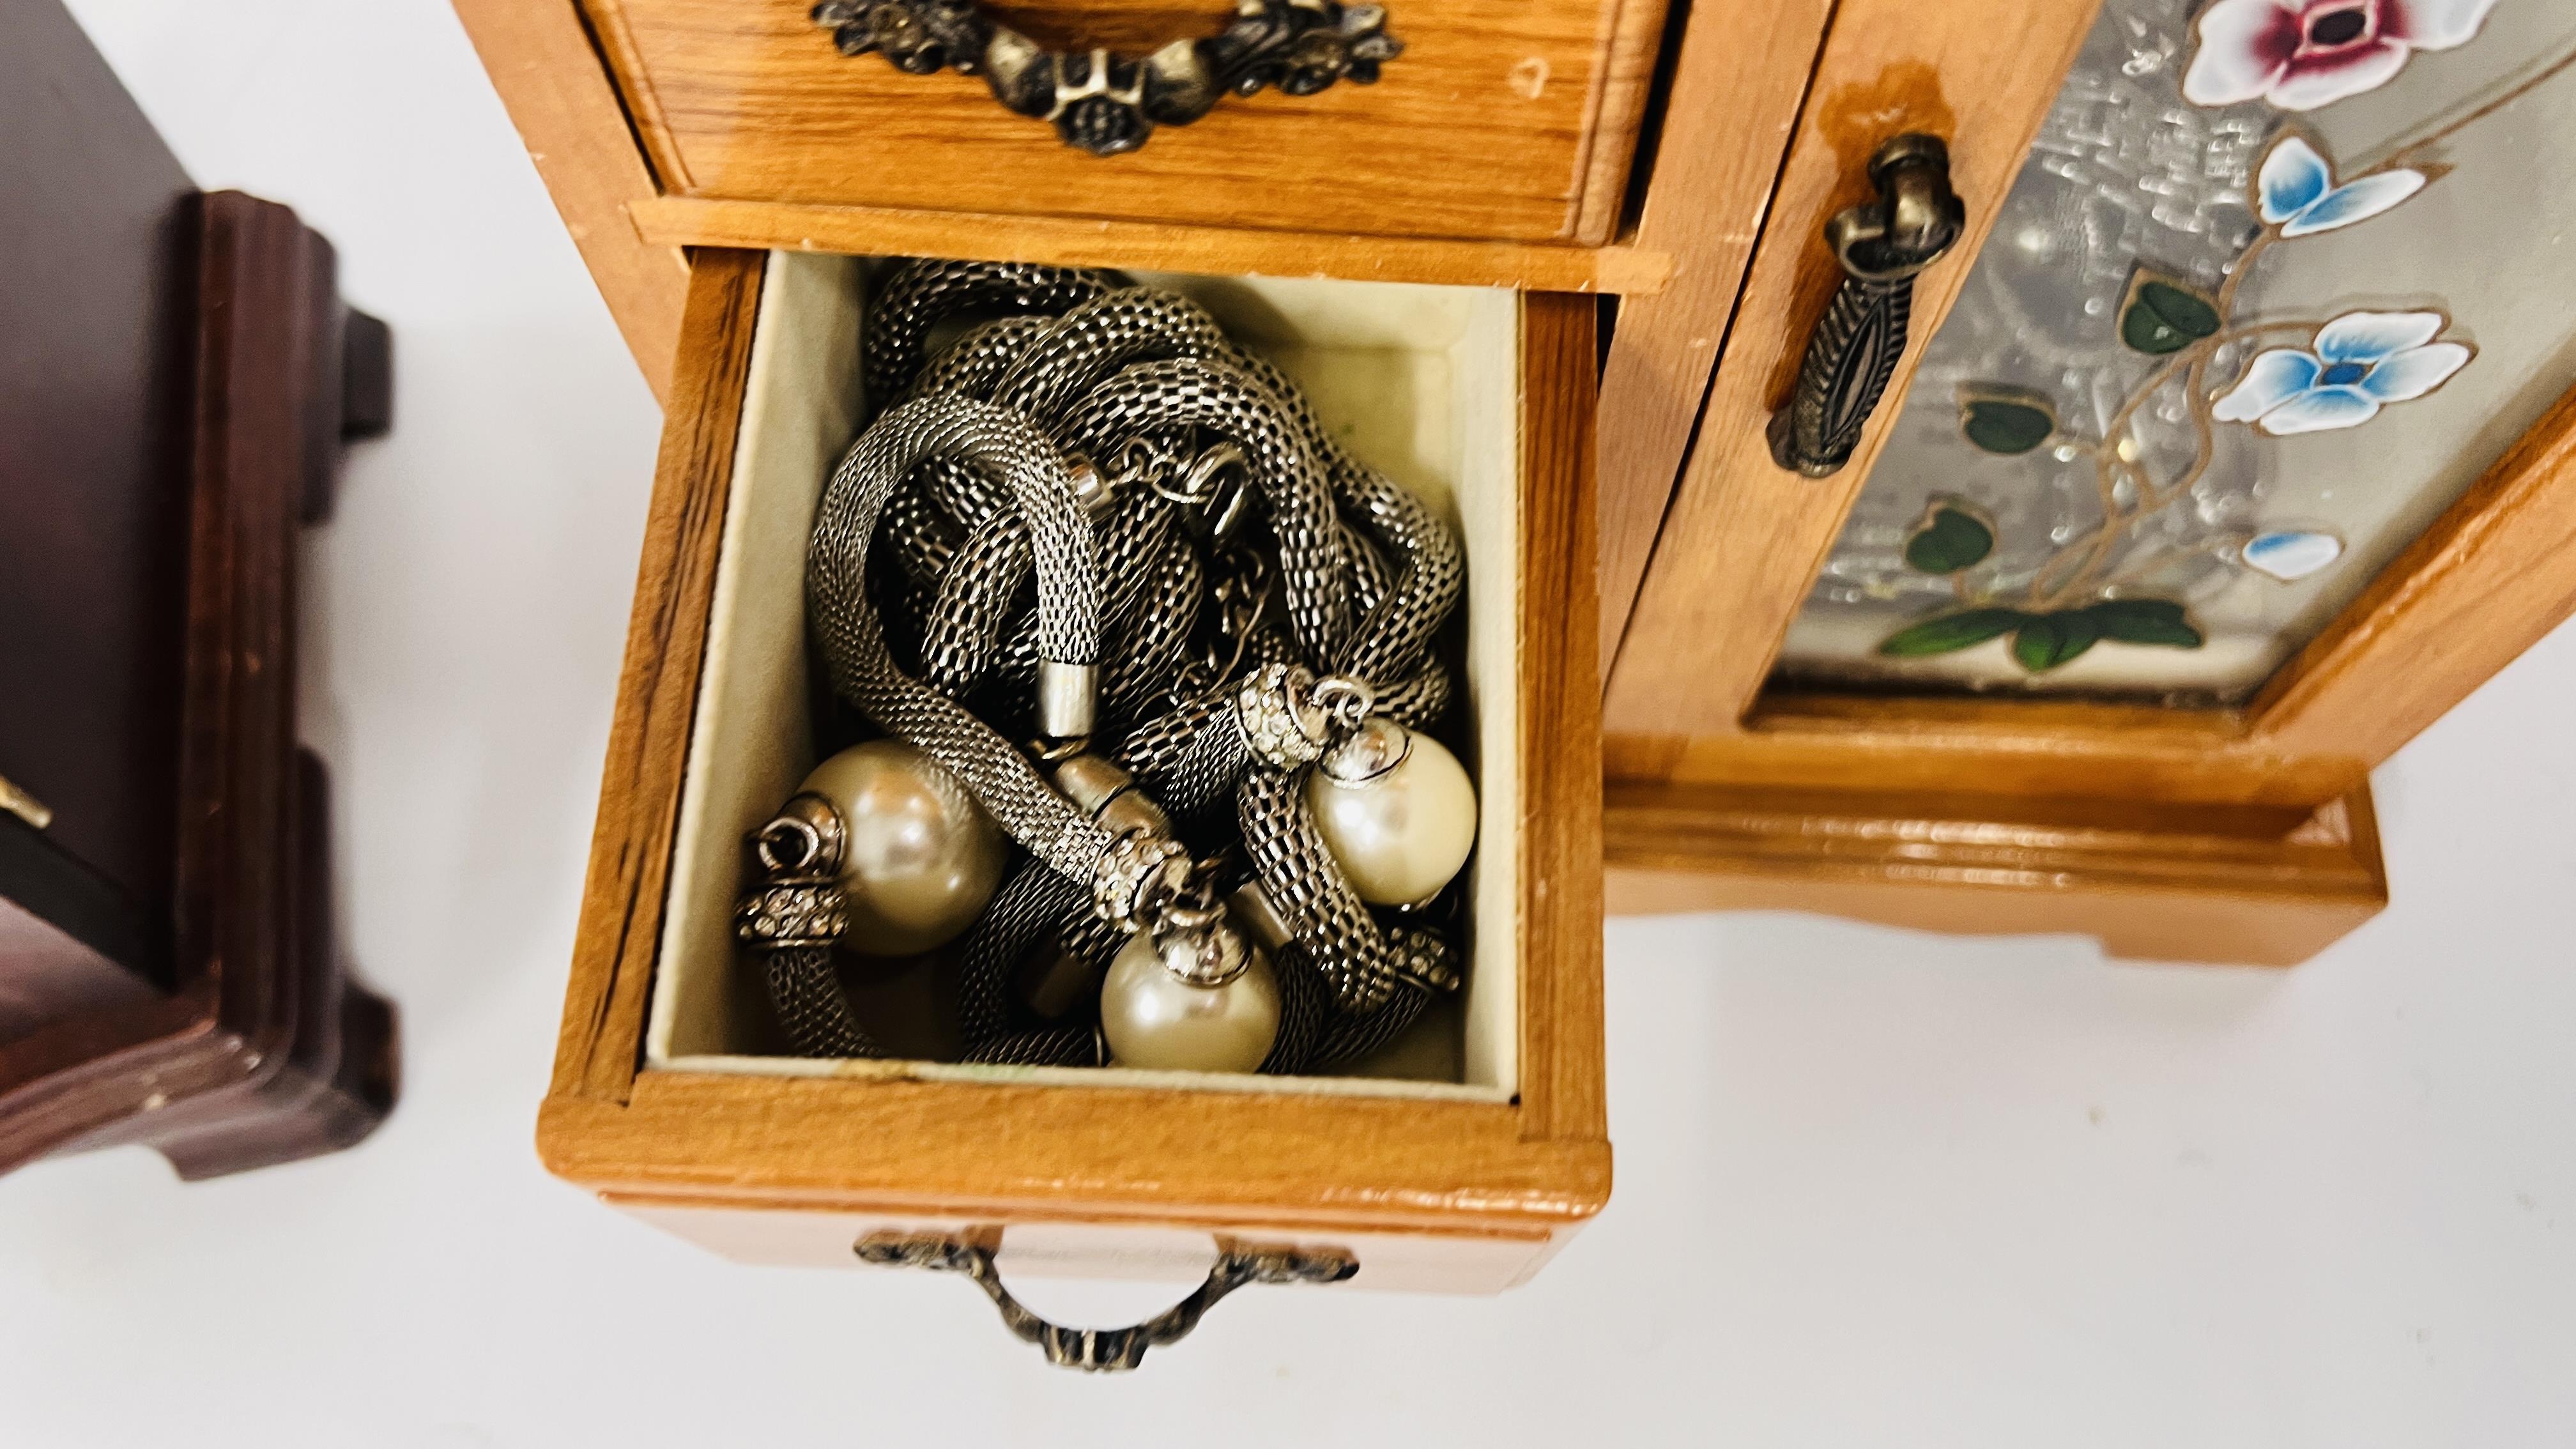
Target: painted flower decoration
(2291,554)
(2295,191)
(2362,361)
(2302,54)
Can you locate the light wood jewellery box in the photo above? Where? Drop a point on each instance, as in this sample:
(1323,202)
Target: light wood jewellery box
(1762,747)
(2080,627)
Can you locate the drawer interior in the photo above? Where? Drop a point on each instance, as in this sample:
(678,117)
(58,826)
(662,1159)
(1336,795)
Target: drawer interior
(1423,382)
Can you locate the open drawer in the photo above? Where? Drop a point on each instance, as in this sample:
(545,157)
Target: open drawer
(1460,1174)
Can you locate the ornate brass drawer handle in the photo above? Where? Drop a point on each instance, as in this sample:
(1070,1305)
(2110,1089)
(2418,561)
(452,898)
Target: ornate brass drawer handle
(1853,351)
(1107,103)
(1106,1350)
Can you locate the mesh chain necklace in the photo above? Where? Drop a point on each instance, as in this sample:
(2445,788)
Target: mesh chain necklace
(1095,525)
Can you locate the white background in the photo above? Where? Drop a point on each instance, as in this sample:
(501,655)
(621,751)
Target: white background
(1873,1188)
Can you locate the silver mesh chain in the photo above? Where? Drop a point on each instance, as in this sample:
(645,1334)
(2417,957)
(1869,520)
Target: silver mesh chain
(977,360)
(917,297)
(1093,340)
(1224,400)
(965,495)
(1362,961)
(854,647)
(805,990)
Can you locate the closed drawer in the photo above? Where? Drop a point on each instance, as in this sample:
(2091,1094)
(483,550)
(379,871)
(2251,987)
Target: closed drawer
(1499,121)
(1459,1167)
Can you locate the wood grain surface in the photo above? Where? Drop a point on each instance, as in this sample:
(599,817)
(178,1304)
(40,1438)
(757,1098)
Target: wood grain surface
(1738,81)
(1483,128)
(1108,1154)
(1560,744)
(657,690)
(1631,38)
(1207,251)
(2002,747)
(2151,882)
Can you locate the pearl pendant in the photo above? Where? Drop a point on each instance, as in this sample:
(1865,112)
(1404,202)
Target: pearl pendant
(1397,810)
(921,858)
(1156,1020)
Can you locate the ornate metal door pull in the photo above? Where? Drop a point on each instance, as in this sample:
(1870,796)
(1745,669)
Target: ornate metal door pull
(1107,103)
(1107,1350)
(1853,351)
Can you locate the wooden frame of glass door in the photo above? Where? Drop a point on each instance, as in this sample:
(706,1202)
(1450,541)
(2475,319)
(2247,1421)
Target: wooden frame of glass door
(2231,835)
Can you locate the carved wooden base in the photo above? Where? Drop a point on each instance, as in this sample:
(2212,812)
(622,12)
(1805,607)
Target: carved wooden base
(2245,885)
(263,1051)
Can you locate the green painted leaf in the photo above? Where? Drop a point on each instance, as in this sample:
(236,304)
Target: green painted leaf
(1949,633)
(2162,315)
(2006,425)
(2183,309)
(1952,536)
(2145,621)
(2049,640)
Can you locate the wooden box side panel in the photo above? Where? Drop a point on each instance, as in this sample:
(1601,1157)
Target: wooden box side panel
(1561,1052)
(263,1051)
(598,1048)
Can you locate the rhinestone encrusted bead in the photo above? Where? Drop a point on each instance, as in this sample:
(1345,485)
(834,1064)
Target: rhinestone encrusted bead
(784,917)
(1133,863)
(1280,724)
(1426,961)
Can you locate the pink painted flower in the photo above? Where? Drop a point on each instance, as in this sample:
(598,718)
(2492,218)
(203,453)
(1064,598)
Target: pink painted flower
(2302,54)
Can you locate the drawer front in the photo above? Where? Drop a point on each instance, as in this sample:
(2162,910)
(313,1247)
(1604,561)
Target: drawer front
(1501,120)
(1388,1262)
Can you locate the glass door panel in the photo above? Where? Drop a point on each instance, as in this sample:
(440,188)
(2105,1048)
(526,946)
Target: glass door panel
(2278,282)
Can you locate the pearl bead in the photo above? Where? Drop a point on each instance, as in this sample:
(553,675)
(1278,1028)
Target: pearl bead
(1398,811)
(1155,1020)
(922,858)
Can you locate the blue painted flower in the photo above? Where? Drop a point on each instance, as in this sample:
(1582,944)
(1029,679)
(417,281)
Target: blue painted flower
(2296,192)
(2362,361)
(2291,554)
